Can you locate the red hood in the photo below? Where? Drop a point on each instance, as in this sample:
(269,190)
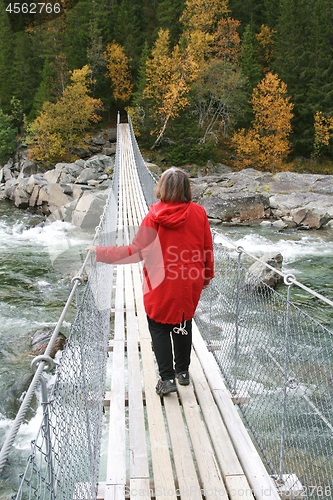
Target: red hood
(171,215)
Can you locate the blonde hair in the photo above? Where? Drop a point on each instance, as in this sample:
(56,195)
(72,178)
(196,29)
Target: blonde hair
(174,185)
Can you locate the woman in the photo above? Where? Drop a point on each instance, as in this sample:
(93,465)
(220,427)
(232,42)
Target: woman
(175,243)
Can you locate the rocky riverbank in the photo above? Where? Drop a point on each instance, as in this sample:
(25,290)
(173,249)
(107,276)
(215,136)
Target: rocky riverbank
(73,192)
(76,192)
(284,199)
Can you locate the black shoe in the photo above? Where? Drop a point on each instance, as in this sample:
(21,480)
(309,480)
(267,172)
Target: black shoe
(183,378)
(164,387)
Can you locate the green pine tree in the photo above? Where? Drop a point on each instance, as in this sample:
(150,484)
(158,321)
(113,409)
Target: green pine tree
(7,136)
(6,50)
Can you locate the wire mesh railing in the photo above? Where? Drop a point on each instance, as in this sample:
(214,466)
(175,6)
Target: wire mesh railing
(147,178)
(278,362)
(64,457)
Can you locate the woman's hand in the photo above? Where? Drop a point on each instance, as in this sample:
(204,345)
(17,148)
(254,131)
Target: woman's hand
(91,248)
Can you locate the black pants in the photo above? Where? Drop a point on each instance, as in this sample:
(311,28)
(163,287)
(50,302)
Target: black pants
(171,355)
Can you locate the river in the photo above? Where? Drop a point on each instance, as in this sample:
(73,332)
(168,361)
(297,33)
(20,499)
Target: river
(36,263)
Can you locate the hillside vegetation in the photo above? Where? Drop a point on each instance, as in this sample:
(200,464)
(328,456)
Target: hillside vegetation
(244,82)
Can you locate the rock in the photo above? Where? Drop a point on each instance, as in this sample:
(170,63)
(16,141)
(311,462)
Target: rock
(87,175)
(21,195)
(88,210)
(7,173)
(53,176)
(236,207)
(109,151)
(111,134)
(303,200)
(247,197)
(28,168)
(10,187)
(279,224)
(51,196)
(94,149)
(99,140)
(259,275)
(81,152)
(99,162)
(41,339)
(312,218)
(67,189)
(79,163)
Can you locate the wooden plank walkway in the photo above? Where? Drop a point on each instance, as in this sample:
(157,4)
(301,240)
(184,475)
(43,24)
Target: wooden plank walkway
(179,446)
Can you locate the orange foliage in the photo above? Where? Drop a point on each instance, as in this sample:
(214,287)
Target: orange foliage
(168,75)
(61,125)
(118,71)
(323,126)
(202,14)
(227,40)
(266,39)
(266,144)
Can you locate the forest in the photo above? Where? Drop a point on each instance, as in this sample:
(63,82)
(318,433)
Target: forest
(245,82)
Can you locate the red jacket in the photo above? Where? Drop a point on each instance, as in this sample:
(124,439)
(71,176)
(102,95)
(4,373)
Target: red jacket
(175,242)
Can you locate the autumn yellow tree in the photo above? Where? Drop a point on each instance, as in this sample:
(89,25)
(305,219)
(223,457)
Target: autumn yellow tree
(203,15)
(266,144)
(227,41)
(200,19)
(266,40)
(168,77)
(323,127)
(62,125)
(216,94)
(118,71)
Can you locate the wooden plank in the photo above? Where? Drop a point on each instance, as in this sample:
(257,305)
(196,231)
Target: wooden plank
(114,492)
(261,483)
(137,431)
(116,464)
(238,487)
(140,488)
(188,484)
(161,462)
(210,474)
(230,466)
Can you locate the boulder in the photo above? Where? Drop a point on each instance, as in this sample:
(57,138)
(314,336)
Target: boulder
(99,162)
(259,275)
(41,339)
(28,167)
(87,175)
(88,210)
(51,196)
(235,207)
(81,152)
(10,187)
(21,196)
(110,150)
(7,173)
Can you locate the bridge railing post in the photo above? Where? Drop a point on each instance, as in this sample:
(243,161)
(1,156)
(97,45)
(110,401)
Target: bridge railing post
(288,280)
(237,318)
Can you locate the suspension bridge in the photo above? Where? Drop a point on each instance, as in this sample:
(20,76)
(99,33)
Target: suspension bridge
(255,422)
